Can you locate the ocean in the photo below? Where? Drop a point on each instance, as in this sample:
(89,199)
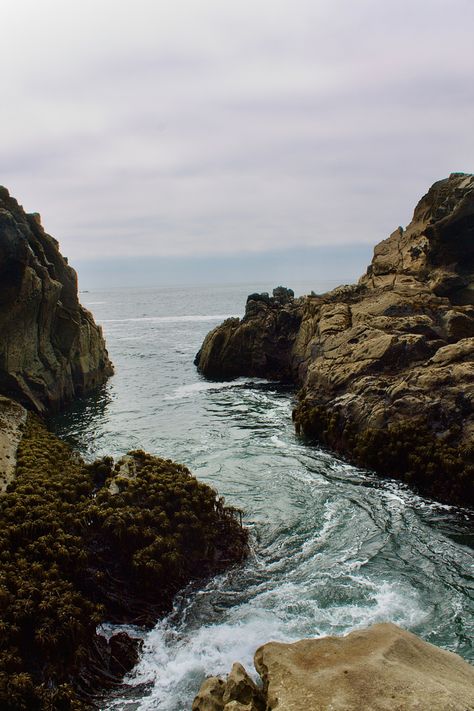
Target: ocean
(333,547)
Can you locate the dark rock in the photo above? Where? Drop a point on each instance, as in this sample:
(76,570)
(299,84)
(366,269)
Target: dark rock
(51,350)
(124,653)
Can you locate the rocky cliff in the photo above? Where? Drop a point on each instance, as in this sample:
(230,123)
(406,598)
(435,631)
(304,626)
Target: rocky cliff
(382,668)
(385,366)
(50,348)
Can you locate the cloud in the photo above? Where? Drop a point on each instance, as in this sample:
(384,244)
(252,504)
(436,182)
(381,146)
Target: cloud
(202,127)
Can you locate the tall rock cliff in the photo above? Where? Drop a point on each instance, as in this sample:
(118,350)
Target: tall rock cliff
(50,347)
(385,366)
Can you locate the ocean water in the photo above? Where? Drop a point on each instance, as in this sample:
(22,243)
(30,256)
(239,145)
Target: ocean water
(333,547)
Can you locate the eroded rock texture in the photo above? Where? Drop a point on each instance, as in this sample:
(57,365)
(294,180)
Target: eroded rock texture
(386,366)
(382,668)
(50,347)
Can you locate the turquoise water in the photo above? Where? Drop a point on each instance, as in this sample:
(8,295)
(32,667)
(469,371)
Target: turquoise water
(333,547)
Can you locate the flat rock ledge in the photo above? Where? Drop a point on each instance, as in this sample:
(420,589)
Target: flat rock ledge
(382,668)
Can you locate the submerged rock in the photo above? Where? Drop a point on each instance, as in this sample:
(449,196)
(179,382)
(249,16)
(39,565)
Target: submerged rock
(51,350)
(382,668)
(385,366)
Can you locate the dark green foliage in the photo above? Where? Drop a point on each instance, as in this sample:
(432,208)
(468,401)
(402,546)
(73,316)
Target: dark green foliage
(73,554)
(410,451)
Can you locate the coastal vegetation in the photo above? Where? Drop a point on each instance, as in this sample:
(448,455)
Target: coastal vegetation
(84,543)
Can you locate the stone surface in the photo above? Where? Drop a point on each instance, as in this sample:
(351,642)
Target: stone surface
(382,668)
(237,693)
(12,422)
(51,350)
(385,366)
(210,696)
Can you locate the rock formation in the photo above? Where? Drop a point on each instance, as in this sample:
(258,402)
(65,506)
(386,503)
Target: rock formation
(383,668)
(81,544)
(386,366)
(50,348)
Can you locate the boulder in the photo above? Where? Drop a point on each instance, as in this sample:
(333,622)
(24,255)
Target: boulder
(385,367)
(237,693)
(51,349)
(382,668)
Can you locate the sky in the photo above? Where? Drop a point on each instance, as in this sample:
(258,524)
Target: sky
(214,133)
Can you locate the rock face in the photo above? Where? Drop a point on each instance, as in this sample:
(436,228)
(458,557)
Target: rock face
(383,668)
(51,349)
(12,422)
(386,366)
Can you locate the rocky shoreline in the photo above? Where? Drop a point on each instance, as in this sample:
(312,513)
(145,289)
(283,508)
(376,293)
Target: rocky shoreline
(382,668)
(80,544)
(51,350)
(385,367)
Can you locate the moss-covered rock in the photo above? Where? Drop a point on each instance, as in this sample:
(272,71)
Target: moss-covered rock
(404,449)
(76,551)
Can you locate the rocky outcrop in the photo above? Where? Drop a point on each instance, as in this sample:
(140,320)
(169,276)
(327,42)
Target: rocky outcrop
(386,366)
(51,350)
(237,693)
(258,345)
(82,544)
(382,668)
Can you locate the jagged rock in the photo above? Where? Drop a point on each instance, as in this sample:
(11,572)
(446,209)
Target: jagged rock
(51,349)
(237,693)
(210,696)
(241,689)
(12,421)
(382,668)
(386,366)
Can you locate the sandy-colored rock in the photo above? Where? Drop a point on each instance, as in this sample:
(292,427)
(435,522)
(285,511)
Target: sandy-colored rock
(12,422)
(383,668)
(241,689)
(210,696)
(51,350)
(385,366)
(237,693)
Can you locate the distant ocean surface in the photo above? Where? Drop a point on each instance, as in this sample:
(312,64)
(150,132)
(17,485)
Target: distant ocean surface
(333,547)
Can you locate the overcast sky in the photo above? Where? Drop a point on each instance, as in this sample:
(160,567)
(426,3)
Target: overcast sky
(212,127)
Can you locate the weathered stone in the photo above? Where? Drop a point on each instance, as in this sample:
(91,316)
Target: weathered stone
(51,350)
(241,688)
(210,696)
(385,367)
(383,668)
(12,422)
